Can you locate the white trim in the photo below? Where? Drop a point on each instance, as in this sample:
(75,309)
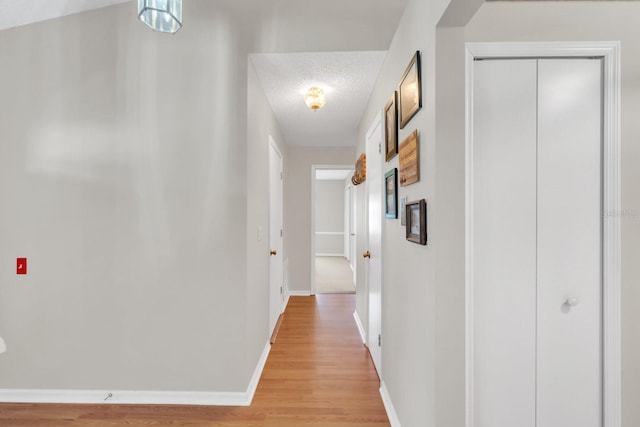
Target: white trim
(611,263)
(377,124)
(363,335)
(123,397)
(282,285)
(610,52)
(469,266)
(299,293)
(313,218)
(388,406)
(128,397)
(329,233)
(328,254)
(285,302)
(257,373)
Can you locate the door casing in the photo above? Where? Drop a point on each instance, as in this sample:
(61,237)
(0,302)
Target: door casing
(276,265)
(610,53)
(315,168)
(374,221)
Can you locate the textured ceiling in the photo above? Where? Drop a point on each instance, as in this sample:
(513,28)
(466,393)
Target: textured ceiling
(14,13)
(347,79)
(357,26)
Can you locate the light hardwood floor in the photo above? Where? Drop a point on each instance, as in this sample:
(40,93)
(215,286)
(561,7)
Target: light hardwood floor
(318,374)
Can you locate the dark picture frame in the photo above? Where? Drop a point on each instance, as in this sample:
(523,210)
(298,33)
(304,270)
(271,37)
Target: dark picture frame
(391,127)
(410,91)
(391,193)
(416,228)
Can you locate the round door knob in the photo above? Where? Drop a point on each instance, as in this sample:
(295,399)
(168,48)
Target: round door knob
(367,255)
(572,301)
(273,253)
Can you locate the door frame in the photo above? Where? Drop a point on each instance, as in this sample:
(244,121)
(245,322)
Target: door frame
(314,168)
(377,124)
(283,301)
(346,197)
(611,247)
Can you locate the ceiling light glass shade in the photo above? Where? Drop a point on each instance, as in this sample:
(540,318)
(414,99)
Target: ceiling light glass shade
(3,346)
(315,98)
(161,15)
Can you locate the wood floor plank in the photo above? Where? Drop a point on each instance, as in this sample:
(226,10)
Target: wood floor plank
(318,374)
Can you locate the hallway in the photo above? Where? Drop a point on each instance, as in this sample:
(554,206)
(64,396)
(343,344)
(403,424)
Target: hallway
(333,275)
(318,374)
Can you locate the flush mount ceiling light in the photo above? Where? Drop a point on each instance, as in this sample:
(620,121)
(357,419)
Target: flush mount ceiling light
(161,15)
(315,98)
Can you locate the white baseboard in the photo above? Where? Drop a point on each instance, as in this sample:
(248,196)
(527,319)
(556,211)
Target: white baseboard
(360,328)
(388,406)
(257,373)
(124,397)
(299,294)
(128,397)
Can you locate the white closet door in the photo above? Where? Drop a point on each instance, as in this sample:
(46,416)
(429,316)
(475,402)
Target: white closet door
(504,270)
(569,258)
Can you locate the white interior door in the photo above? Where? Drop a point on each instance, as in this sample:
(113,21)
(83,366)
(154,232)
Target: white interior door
(347,223)
(352,231)
(374,184)
(504,243)
(537,141)
(276,291)
(569,242)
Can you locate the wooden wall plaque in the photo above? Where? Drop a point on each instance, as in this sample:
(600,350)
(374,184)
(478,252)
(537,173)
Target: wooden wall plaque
(360,174)
(409,160)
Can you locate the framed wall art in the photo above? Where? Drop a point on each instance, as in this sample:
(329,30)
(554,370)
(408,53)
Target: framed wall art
(409,160)
(410,91)
(416,228)
(391,127)
(391,193)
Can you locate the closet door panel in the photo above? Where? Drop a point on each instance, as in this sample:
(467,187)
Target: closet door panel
(504,176)
(569,242)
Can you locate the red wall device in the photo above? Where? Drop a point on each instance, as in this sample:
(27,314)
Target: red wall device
(21,266)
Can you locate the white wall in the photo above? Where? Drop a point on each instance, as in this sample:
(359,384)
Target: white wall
(409,277)
(127,179)
(329,216)
(118,176)
(449,234)
(297,228)
(261,123)
(594,21)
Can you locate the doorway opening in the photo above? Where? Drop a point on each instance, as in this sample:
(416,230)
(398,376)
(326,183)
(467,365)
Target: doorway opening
(332,230)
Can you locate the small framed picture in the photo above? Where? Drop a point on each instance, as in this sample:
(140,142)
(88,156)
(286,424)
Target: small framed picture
(410,91)
(416,228)
(391,193)
(391,128)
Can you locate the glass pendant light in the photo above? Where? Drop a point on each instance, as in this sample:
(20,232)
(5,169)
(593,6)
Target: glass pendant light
(315,98)
(161,15)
